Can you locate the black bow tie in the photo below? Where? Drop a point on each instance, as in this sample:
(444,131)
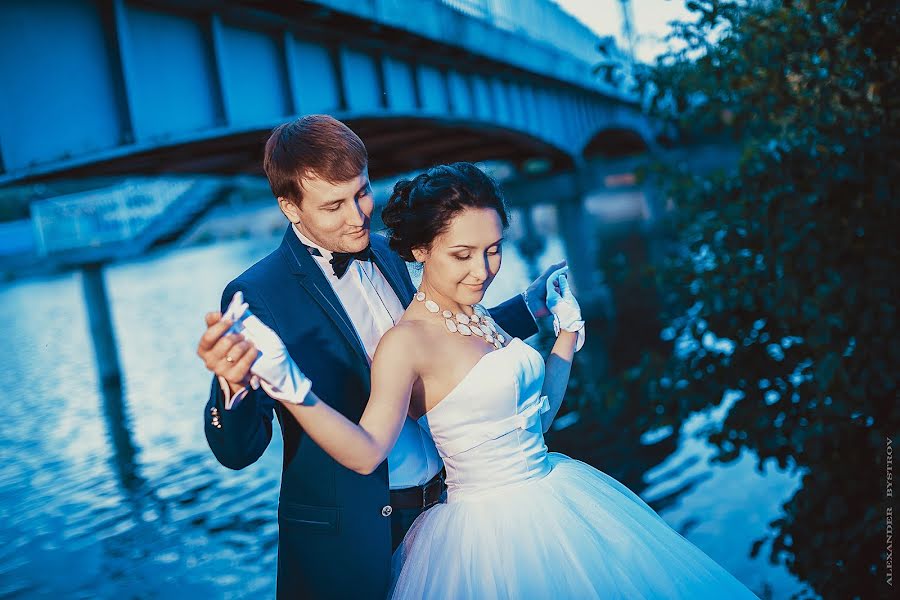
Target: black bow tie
(341,260)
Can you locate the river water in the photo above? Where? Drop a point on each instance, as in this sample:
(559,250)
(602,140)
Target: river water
(109,494)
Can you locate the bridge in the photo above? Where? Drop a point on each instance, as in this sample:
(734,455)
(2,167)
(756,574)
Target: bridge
(150,88)
(141,87)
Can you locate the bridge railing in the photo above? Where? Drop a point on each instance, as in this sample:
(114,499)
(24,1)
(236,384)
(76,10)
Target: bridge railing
(541,20)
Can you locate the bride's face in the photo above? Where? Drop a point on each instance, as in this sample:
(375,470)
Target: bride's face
(463,261)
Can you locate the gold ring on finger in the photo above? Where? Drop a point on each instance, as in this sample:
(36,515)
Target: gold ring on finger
(229,359)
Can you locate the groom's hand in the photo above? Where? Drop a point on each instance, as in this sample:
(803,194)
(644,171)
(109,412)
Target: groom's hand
(228,356)
(536,294)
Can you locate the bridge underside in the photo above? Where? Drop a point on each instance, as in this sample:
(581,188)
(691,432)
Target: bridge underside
(395,145)
(615,143)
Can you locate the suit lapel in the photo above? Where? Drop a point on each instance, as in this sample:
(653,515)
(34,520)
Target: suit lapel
(400,282)
(310,276)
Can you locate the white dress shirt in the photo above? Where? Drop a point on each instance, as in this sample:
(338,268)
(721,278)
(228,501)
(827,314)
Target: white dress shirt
(373,308)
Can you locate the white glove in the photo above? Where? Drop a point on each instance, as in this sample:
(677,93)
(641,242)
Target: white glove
(564,306)
(273,369)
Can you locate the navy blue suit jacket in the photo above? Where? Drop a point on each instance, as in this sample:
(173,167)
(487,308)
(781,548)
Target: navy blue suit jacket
(333,541)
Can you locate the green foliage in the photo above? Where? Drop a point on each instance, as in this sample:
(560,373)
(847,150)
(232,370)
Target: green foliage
(785,284)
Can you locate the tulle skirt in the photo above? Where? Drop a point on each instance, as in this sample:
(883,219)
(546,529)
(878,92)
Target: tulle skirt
(574,533)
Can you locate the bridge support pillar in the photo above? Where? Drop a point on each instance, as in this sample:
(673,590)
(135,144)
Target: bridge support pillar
(579,234)
(101,327)
(531,244)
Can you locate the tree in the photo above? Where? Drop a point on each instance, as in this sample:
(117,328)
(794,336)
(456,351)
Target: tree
(786,286)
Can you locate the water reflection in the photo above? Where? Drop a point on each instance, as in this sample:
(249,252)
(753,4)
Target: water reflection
(119,431)
(113,490)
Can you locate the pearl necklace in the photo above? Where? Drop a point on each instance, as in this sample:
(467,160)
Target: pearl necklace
(480,324)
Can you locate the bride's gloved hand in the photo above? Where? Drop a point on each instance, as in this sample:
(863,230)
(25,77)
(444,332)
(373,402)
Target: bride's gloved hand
(273,369)
(563,306)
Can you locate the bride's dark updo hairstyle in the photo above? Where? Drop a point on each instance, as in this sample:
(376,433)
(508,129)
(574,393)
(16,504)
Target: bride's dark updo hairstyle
(420,209)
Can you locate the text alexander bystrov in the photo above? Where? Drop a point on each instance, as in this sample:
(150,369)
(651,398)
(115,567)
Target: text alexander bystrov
(889,513)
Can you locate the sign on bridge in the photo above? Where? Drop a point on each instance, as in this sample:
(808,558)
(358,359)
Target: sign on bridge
(100,217)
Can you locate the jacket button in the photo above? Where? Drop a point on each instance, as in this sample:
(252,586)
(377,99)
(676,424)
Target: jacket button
(386,511)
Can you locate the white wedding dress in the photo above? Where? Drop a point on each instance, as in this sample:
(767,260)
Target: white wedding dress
(520,522)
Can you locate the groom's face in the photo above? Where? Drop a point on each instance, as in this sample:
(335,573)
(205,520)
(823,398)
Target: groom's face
(336,216)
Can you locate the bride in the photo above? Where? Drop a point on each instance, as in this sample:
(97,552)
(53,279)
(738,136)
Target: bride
(518,521)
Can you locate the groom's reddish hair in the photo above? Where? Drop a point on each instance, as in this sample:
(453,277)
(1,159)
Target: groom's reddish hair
(312,146)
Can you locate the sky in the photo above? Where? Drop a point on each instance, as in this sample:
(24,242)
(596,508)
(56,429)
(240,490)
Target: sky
(650,21)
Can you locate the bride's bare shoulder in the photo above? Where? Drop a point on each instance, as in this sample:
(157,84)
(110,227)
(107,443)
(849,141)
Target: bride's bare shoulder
(404,341)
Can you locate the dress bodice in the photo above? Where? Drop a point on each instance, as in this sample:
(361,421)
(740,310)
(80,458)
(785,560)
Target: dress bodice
(488,428)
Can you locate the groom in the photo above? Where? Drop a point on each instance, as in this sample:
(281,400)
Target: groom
(330,291)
